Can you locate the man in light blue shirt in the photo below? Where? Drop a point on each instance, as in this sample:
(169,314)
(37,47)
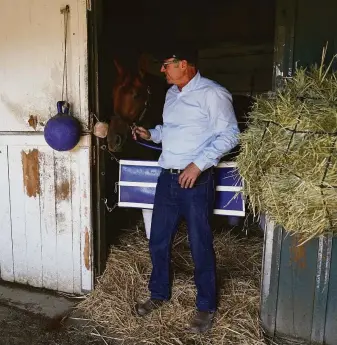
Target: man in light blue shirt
(199,128)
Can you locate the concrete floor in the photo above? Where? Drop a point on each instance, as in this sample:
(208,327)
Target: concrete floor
(18,327)
(33,317)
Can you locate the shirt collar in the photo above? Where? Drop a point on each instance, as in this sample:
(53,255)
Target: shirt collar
(191,85)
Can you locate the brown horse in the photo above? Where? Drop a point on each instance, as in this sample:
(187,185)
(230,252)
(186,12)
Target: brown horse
(138,98)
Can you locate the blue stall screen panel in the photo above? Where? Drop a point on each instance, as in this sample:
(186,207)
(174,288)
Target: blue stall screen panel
(138,180)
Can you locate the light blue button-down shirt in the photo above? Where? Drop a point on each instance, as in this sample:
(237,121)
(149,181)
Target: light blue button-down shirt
(199,125)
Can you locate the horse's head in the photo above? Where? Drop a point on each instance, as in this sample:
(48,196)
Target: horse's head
(130,96)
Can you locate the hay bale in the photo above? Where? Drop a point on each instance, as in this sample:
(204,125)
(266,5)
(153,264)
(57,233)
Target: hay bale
(288,154)
(111,305)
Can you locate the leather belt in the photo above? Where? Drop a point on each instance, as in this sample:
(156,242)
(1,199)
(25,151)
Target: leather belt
(174,171)
(179,171)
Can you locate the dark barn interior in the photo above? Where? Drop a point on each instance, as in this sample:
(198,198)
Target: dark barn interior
(235,39)
(235,42)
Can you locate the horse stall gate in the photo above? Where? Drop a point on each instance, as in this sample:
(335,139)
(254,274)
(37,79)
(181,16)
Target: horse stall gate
(235,42)
(45,203)
(299,283)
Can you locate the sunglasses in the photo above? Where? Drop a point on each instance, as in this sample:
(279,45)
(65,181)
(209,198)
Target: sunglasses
(165,64)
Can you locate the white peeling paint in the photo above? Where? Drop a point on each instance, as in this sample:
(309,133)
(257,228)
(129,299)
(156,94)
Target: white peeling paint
(6,251)
(41,231)
(267,257)
(31,61)
(323,262)
(42,237)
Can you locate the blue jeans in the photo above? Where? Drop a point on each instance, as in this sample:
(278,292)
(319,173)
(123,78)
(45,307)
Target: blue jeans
(196,205)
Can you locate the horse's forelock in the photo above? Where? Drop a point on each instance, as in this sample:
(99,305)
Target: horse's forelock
(131,79)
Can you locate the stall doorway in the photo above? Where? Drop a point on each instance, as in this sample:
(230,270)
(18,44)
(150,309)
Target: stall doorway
(235,42)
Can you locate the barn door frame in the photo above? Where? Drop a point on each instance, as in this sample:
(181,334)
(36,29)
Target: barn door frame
(94,17)
(285,23)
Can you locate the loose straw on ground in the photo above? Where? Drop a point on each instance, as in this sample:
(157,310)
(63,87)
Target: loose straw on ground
(111,305)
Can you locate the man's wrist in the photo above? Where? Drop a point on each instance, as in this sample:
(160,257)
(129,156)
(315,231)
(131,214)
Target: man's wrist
(149,135)
(201,163)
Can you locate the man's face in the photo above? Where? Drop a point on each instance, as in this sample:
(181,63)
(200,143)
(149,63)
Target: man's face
(174,70)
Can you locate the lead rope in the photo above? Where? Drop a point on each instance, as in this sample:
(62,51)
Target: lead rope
(65,11)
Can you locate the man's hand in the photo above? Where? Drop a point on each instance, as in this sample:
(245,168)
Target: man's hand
(188,177)
(142,132)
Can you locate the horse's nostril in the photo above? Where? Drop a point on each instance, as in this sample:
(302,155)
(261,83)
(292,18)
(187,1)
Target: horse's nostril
(118,140)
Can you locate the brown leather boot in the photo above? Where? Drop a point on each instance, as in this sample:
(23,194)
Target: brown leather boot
(201,322)
(147,307)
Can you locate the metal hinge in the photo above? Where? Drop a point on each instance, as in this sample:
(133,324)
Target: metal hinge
(91,119)
(89,5)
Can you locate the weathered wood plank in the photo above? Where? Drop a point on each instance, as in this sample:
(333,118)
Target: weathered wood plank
(270,272)
(18,214)
(330,329)
(244,83)
(86,226)
(31,176)
(6,257)
(48,218)
(64,222)
(236,64)
(225,49)
(75,168)
(297,285)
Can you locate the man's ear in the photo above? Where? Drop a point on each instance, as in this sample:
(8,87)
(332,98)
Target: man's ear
(184,64)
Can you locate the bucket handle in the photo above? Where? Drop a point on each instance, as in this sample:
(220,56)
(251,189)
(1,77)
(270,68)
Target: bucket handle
(63,107)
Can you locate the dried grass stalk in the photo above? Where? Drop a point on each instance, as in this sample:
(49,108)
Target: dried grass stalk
(288,156)
(111,305)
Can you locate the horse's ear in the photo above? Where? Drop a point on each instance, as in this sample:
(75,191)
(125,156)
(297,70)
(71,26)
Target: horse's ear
(143,64)
(142,73)
(119,67)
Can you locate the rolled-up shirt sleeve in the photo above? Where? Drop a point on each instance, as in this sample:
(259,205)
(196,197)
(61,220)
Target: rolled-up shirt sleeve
(156,134)
(224,125)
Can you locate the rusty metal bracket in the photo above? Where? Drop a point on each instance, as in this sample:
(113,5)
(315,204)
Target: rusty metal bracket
(65,9)
(109,209)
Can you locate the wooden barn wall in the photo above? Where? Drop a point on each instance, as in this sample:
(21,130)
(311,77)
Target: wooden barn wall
(45,214)
(314,31)
(242,69)
(45,206)
(31,62)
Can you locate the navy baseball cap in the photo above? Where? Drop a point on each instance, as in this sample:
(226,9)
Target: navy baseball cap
(180,52)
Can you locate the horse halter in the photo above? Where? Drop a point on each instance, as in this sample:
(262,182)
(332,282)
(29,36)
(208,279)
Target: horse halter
(122,138)
(146,107)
